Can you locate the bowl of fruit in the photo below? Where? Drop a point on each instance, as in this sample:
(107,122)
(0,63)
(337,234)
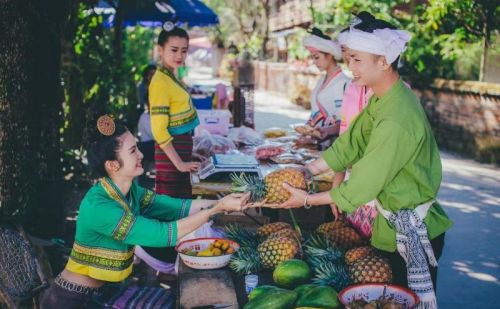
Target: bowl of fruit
(377,295)
(207,253)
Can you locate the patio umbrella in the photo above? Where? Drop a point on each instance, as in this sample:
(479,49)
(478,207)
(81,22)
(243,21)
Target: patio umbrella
(154,13)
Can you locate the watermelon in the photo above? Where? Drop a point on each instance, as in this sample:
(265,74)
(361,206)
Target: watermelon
(291,273)
(317,296)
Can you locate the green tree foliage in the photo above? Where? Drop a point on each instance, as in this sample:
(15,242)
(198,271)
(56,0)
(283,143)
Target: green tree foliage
(99,79)
(246,23)
(451,38)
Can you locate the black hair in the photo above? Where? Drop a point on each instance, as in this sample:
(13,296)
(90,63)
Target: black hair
(147,69)
(372,25)
(104,148)
(315,31)
(175,32)
(364,16)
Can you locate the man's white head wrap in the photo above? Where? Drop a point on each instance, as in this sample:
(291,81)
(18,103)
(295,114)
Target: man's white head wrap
(342,37)
(315,43)
(384,42)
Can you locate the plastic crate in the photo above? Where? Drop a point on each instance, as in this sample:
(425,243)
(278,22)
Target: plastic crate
(203,103)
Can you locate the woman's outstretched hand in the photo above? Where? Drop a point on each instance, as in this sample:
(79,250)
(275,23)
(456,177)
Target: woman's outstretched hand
(234,202)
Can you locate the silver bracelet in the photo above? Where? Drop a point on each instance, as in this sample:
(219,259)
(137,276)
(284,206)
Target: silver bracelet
(306,205)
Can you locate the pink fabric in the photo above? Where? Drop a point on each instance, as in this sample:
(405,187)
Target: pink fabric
(354,100)
(362,219)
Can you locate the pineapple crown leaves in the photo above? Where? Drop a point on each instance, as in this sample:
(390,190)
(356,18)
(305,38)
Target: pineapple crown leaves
(249,183)
(246,261)
(334,274)
(317,246)
(319,240)
(331,254)
(243,237)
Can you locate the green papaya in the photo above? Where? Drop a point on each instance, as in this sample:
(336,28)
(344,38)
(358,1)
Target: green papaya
(317,296)
(273,299)
(291,273)
(261,289)
(302,289)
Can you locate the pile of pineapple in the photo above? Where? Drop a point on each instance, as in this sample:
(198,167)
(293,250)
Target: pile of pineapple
(336,253)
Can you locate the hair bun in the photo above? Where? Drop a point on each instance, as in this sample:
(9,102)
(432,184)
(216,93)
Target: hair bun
(106,125)
(315,31)
(365,16)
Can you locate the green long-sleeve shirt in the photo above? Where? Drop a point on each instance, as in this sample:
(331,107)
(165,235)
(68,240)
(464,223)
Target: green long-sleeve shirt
(394,158)
(110,224)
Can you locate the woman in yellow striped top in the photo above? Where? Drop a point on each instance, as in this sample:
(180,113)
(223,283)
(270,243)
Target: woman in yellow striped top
(173,119)
(173,116)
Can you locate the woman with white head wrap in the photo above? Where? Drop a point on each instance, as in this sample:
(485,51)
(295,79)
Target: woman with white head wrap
(395,161)
(326,97)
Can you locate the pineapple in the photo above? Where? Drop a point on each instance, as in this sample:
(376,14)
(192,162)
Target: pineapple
(271,188)
(275,250)
(329,226)
(268,229)
(355,254)
(345,238)
(288,233)
(371,269)
(269,254)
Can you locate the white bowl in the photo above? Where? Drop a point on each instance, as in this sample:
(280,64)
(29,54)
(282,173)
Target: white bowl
(373,291)
(204,262)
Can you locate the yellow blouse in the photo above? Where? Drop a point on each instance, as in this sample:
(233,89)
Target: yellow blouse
(171,109)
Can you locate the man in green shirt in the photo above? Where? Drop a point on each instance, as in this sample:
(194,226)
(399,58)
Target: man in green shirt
(390,147)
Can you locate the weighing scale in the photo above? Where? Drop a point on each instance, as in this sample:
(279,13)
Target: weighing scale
(219,167)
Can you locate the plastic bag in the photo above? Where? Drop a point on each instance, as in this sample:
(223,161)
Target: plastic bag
(206,145)
(245,136)
(265,152)
(288,158)
(204,231)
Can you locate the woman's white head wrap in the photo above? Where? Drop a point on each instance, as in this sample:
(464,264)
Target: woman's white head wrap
(384,42)
(315,43)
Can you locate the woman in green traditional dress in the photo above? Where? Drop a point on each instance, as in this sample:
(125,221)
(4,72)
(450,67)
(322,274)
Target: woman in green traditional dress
(116,214)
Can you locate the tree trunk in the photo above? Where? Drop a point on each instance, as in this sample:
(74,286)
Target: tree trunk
(489,14)
(266,30)
(72,77)
(484,60)
(30,114)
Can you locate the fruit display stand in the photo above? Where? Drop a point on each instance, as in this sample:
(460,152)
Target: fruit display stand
(316,266)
